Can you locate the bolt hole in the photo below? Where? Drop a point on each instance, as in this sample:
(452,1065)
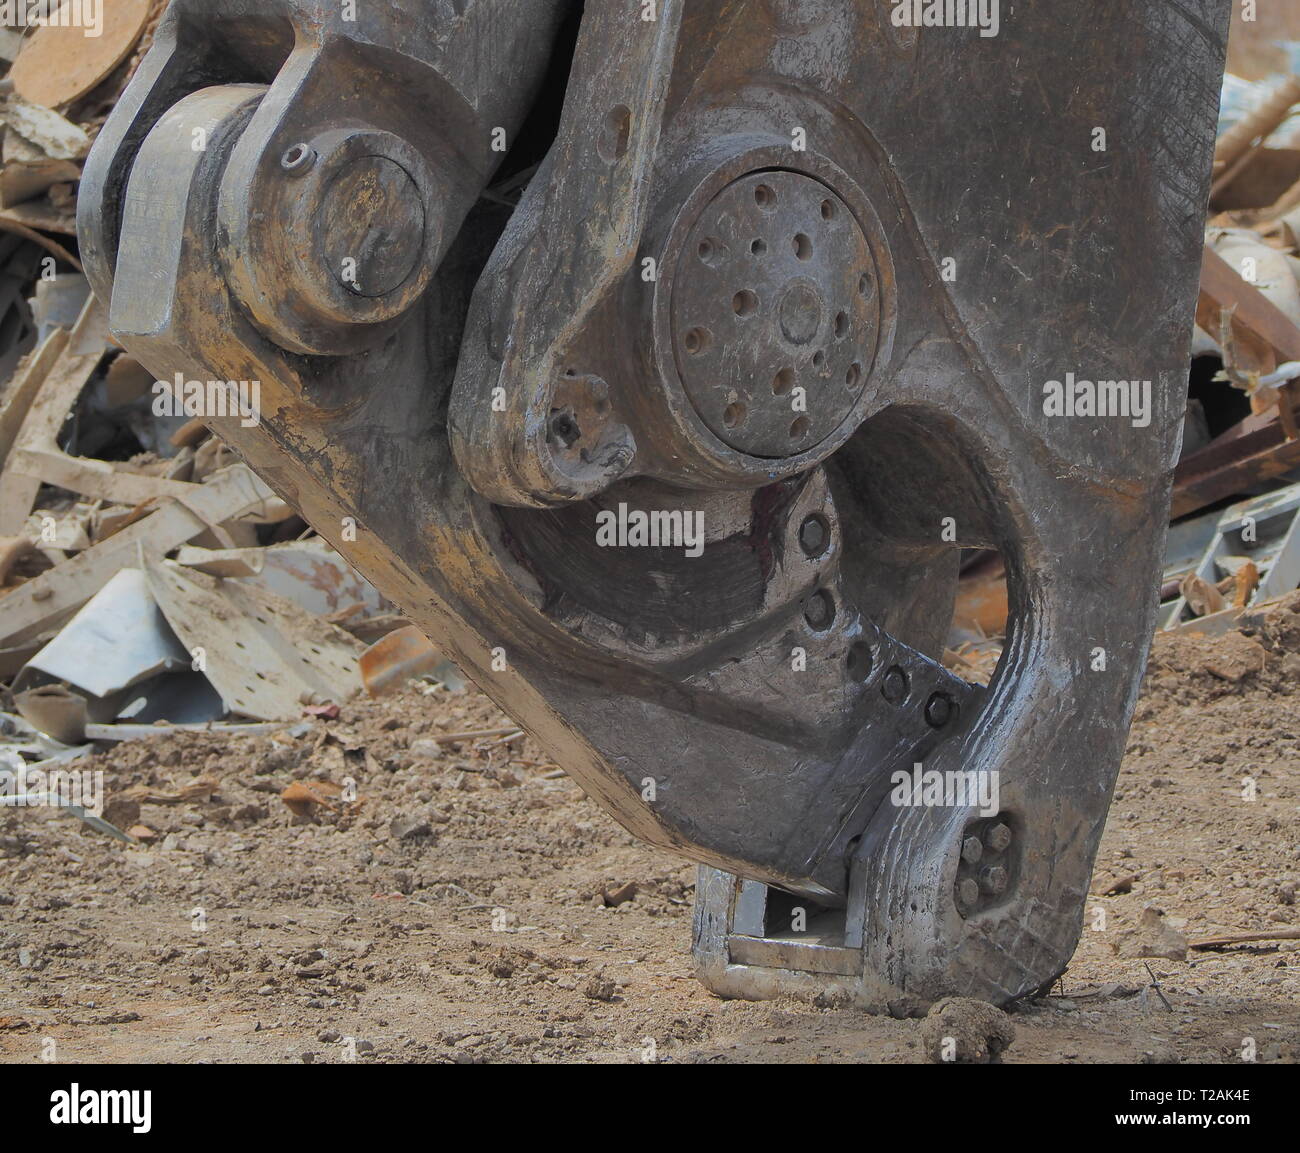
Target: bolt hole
(860,661)
(564,429)
(711,251)
(758,247)
(733,414)
(783,382)
(828,210)
(841,325)
(939,710)
(298,158)
(866,286)
(853,376)
(802,247)
(615,133)
(799,429)
(819,360)
(744,303)
(819,612)
(697,341)
(765,198)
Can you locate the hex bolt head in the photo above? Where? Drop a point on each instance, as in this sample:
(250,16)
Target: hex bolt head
(814,535)
(972,850)
(968,893)
(938,710)
(993,880)
(894,686)
(998,838)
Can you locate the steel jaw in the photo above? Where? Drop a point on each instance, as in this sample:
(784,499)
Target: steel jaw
(787,272)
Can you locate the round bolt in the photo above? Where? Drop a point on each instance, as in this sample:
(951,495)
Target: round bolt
(814,535)
(298,159)
(938,710)
(819,612)
(894,686)
(971,850)
(993,880)
(370,226)
(358,229)
(968,893)
(998,838)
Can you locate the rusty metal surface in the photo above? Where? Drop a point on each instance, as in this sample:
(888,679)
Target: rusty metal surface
(473,400)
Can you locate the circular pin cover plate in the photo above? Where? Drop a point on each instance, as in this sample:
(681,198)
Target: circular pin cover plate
(776,313)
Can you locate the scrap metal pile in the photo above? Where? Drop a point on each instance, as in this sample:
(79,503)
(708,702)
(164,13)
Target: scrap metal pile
(146,574)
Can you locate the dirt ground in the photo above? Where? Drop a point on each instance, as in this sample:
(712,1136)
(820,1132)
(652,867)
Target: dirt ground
(454,911)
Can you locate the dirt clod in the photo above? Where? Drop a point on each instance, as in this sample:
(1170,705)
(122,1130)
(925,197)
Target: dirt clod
(1153,936)
(966,1032)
